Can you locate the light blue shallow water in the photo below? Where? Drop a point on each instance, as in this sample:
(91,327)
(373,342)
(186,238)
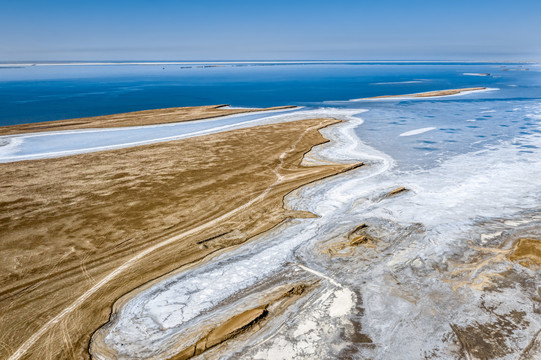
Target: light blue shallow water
(462,124)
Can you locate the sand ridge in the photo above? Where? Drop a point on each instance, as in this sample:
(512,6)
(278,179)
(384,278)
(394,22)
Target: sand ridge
(136,118)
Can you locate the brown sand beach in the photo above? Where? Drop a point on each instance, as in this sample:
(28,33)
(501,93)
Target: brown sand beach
(137,118)
(79,232)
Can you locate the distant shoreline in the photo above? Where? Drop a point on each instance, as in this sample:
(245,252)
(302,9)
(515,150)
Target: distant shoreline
(20,64)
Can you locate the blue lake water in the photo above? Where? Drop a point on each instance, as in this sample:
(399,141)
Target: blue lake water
(42,93)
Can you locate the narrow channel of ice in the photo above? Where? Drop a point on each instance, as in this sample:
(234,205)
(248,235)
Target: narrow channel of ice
(417,131)
(64,143)
(398,82)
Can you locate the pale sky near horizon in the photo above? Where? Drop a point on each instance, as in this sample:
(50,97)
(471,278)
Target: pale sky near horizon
(51,30)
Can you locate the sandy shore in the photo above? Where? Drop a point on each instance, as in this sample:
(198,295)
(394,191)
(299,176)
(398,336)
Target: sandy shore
(80,232)
(137,118)
(428,93)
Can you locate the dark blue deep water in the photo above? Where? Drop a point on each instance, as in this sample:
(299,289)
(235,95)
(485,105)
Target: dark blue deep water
(42,93)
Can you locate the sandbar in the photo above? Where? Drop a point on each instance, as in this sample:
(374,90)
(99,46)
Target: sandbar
(79,232)
(427,94)
(136,118)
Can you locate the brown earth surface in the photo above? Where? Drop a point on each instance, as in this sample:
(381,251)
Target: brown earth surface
(137,118)
(79,232)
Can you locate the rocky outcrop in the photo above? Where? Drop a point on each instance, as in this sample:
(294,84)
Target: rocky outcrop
(527,252)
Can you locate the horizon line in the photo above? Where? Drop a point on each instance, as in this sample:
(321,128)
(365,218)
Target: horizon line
(236,61)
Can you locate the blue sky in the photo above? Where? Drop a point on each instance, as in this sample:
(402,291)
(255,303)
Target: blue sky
(246,30)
